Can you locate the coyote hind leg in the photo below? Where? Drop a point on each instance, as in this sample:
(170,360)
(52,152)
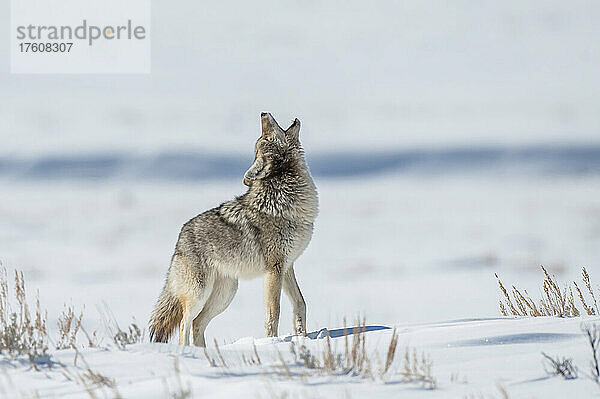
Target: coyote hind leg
(195,293)
(184,329)
(222,294)
(290,287)
(191,309)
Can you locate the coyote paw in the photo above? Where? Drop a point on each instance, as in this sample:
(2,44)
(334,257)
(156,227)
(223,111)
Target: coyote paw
(299,326)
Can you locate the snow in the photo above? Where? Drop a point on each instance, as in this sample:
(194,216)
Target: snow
(407,251)
(83,240)
(470,357)
(98,173)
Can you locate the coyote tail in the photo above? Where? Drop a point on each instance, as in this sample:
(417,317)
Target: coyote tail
(166,316)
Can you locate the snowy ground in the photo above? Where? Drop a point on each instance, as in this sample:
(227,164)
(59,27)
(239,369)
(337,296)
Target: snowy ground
(406,251)
(471,358)
(98,173)
(379,242)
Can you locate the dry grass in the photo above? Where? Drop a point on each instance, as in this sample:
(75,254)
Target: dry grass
(305,356)
(123,338)
(558,366)
(586,281)
(252,360)
(284,365)
(180,391)
(555,301)
(418,369)
(501,391)
(592,333)
(90,380)
(120,338)
(209,359)
(68,327)
(93,341)
(221,358)
(565,367)
(456,378)
(357,361)
(22,333)
(391,352)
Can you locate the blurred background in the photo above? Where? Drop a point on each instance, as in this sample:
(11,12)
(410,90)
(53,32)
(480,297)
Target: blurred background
(448,141)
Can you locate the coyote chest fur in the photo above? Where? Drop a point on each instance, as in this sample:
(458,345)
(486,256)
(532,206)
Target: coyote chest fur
(261,232)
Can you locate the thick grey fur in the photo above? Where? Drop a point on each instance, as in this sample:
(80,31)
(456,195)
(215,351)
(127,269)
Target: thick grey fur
(261,232)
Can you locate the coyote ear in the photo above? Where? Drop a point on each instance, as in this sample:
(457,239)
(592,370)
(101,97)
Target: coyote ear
(293,132)
(270,128)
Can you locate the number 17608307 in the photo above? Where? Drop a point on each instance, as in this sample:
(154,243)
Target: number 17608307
(45,47)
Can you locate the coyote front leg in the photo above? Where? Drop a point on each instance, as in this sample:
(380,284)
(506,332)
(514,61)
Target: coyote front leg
(290,287)
(272,287)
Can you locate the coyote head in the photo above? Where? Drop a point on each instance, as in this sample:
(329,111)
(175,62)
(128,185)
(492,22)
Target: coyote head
(274,149)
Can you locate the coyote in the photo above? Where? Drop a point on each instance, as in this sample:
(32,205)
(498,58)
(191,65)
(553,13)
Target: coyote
(261,232)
